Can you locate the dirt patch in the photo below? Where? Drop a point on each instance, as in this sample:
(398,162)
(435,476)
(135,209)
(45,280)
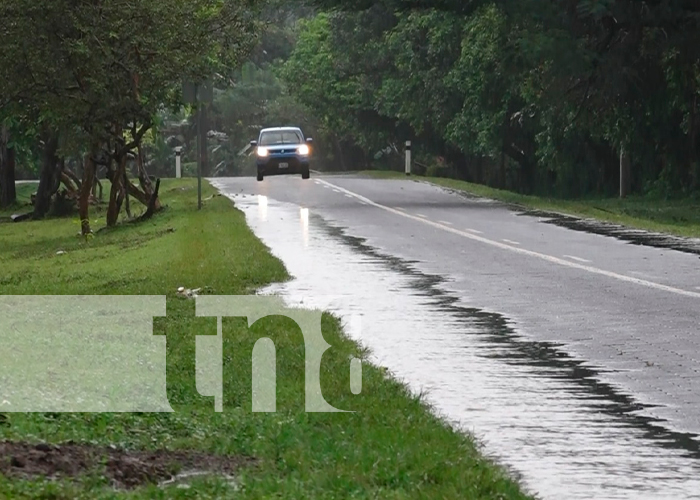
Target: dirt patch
(124,469)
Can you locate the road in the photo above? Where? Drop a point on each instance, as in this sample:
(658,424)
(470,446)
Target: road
(630,311)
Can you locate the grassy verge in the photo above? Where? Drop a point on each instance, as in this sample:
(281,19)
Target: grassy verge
(392,447)
(677,217)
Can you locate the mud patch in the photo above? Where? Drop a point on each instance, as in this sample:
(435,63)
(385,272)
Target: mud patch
(125,470)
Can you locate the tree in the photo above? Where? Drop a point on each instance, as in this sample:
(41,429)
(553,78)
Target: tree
(546,94)
(99,72)
(8,195)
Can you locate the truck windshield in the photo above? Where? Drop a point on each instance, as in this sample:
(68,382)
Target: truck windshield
(280,137)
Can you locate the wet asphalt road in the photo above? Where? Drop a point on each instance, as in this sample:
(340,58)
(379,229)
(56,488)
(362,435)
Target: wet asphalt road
(631,312)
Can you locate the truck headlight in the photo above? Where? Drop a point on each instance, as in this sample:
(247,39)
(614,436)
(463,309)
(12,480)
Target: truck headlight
(263,152)
(304,149)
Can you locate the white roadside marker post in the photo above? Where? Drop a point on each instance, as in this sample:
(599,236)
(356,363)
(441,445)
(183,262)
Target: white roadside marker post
(178,164)
(408,157)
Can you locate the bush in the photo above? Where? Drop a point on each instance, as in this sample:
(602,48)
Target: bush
(436,170)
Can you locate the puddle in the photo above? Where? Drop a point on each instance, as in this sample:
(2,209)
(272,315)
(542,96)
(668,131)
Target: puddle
(540,413)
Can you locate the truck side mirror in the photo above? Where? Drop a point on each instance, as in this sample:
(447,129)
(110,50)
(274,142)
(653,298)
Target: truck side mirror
(253,143)
(309,140)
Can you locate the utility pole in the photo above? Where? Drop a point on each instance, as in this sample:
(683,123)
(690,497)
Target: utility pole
(200,95)
(200,147)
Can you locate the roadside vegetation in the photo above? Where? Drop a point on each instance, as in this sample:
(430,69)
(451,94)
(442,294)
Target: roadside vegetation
(538,99)
(393,446)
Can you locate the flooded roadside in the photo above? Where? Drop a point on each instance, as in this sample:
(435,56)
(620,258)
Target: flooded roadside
(534,409)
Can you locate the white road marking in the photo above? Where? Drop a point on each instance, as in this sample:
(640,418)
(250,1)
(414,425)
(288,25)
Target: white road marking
(348,196)
(473,231)
(576,258)
(446,223)
(511,242)
(522,251)
(399,208)
(645,275)
(419,215)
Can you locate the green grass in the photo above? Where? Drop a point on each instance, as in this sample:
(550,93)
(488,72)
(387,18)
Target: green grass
(24,193)
(391,447)
(677,217)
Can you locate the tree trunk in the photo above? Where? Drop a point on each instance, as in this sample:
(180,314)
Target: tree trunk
(116,194)
(69,183)
(151,209)
(480,169)
(145,181)
(625,171)
(693,144)
(50,170)
(134,191)
(341,155)
(67,172)
(8,193)
(127,205)
(502,176)
(86,191)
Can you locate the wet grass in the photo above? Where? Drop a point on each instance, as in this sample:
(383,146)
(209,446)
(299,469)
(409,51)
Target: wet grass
(22,205)
(391,447)
(676,217)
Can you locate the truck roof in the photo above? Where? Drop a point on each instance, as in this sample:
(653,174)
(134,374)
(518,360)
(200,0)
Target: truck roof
(277,129)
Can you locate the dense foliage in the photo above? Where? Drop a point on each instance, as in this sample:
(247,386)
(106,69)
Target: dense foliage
(538,97)
(84,82)
(535,96)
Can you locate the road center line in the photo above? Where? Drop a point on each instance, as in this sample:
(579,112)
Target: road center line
(522,251)
(576,258)
(473,231)
(425,217)
(511,242)
(446,223)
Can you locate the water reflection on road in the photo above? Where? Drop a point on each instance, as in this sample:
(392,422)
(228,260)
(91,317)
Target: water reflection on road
(538,412)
